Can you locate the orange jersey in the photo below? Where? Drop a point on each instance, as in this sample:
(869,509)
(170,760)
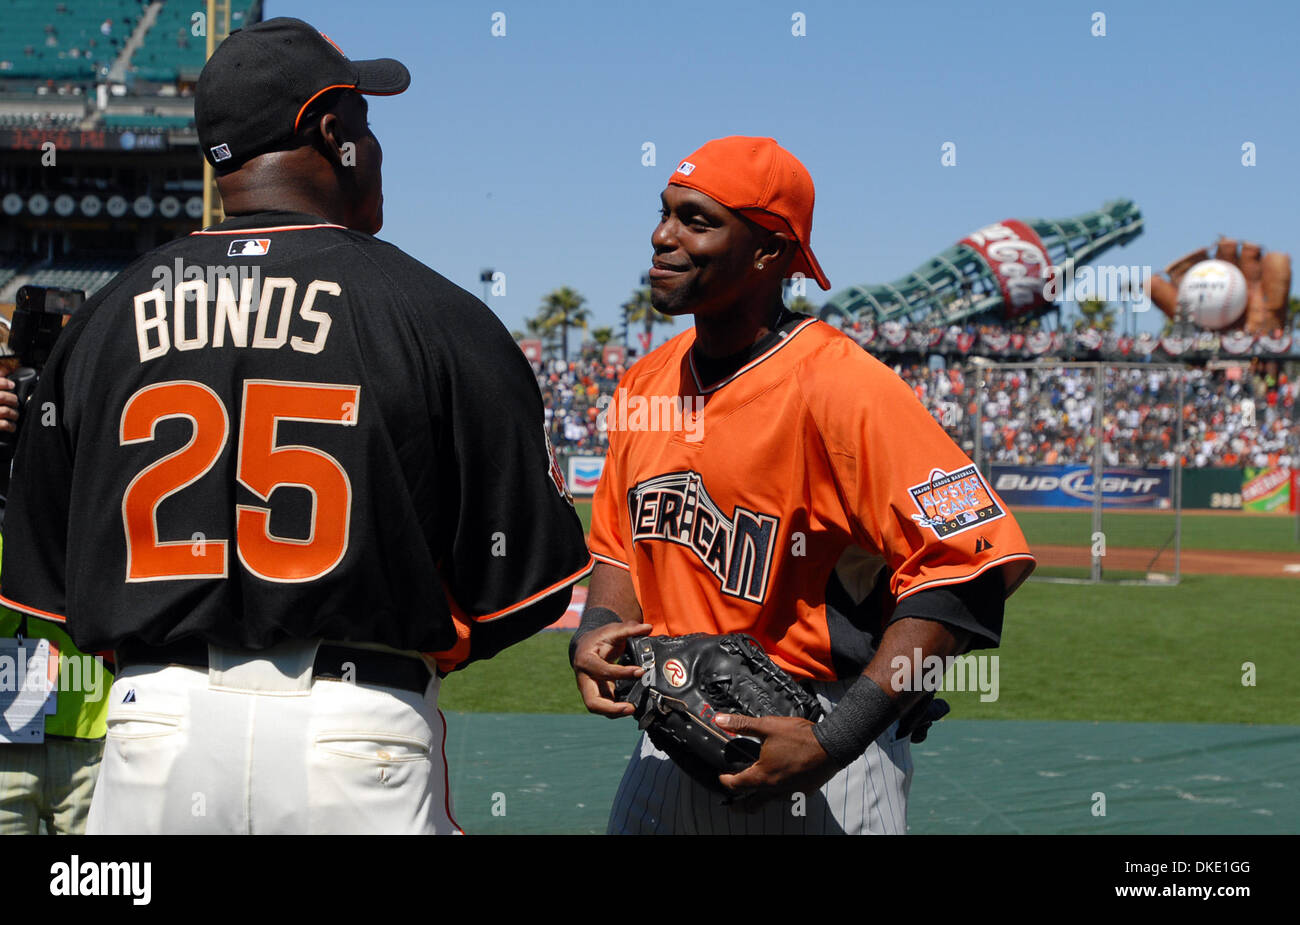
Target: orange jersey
(734,505)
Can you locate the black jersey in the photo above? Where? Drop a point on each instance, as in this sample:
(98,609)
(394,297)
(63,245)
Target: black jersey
(280,428)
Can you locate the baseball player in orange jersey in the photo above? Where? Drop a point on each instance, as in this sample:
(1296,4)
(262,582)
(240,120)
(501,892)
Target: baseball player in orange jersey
(797,491)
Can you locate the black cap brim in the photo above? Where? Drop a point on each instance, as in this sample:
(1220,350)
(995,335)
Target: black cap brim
(381,76)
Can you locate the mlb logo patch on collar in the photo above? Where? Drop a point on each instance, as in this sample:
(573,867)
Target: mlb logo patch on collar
(248,247)
(950,502)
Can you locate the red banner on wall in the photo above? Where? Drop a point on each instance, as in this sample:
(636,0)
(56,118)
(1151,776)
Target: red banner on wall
(532,350)
(1016,256)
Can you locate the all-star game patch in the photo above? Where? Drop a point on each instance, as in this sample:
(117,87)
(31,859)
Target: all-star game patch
(950,502)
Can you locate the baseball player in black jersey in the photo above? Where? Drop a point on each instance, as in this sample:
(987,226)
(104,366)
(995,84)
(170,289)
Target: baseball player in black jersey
(286,481)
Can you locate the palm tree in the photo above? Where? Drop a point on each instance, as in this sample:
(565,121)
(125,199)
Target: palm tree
(602,336)
(639,309)
(801,305)
(561,310)
(1097,313)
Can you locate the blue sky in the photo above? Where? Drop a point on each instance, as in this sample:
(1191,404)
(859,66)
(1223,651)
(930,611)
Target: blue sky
(523,152)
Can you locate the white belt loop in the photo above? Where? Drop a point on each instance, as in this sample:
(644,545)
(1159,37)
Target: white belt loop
(285,668)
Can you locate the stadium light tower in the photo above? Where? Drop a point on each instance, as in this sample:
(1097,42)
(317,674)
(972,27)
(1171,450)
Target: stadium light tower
(993,275)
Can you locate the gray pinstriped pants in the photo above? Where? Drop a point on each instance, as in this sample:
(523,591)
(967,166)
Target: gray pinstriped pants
(869,797)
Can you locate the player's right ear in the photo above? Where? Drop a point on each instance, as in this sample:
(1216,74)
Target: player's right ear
(332,137)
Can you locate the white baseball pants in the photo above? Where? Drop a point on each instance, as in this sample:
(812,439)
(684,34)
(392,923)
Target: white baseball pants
(255,745)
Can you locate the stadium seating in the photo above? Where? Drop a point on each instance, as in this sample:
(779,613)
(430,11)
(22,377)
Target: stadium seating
(146,121)
(8,270)
(171,51)
(63,41)
(43,119)
(88,274)
(1038,418)
(49,40)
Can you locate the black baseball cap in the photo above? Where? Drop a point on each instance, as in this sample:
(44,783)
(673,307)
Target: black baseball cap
(254,89)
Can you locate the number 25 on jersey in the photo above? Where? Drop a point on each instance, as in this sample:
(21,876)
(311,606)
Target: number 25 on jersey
(261,467)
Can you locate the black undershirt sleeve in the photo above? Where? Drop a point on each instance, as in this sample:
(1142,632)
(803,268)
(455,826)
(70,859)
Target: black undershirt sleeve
(976,606)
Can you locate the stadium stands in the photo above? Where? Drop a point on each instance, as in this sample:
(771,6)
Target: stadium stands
(10,266)
(171,51)
(573,395)
(1031,417)
(6,274)
(74,40)
(90,275)
(39,119)
(77,41)
(138,122)
(1046,417)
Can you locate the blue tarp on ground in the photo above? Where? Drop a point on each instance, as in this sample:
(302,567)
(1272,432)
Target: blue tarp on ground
(558,774)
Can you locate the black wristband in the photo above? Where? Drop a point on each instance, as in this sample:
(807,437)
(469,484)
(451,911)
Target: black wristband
(592,618)
(863,713)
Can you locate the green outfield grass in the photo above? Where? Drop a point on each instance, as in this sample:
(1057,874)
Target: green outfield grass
(531,677)
(1070,652)
(1251,533)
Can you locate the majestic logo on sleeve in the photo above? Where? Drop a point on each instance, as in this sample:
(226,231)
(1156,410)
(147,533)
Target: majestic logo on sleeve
(951,502)
(738,549)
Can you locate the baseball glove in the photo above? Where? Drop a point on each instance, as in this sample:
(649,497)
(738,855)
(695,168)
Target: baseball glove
(690,679)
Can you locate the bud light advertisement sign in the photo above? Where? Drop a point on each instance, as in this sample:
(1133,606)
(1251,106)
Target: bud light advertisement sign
(1072,486)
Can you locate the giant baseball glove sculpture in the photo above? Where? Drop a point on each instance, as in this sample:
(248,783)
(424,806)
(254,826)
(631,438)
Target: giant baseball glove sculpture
(1268,283)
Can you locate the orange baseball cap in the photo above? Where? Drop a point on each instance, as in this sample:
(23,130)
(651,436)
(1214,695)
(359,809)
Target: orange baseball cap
(763,181)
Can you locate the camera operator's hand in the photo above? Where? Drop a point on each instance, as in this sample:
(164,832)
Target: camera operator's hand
(8,406)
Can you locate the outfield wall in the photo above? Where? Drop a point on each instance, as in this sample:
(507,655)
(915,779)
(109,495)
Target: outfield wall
(584,473)
(1146,488)
(1149,488)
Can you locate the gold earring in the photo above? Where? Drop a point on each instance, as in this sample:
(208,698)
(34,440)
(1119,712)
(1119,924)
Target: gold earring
(760,265)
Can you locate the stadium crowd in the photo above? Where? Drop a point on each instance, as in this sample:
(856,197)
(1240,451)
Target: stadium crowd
(1246,416)
(573,395)
(1046,417)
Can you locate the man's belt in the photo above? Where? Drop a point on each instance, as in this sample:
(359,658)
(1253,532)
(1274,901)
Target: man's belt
(333,662)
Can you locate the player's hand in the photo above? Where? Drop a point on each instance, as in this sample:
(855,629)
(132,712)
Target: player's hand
(8,406)
(916,722)
(792,760)
(595,663)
